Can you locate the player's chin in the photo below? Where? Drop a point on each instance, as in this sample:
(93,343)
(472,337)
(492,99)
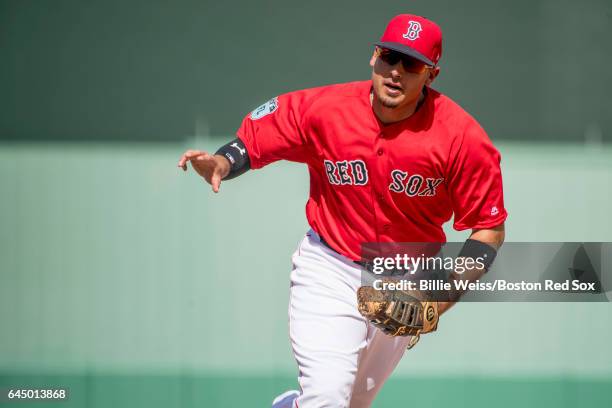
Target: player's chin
(391,101)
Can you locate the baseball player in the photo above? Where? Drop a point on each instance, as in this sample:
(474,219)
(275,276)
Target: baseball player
(390,160)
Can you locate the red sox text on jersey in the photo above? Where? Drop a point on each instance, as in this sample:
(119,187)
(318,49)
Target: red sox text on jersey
(371,182)
(355,172)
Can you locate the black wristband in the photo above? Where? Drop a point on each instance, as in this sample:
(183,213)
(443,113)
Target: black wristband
(236,153)
(479,251)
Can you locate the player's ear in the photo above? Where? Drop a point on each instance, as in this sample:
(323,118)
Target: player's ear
(373,59)
(433,73)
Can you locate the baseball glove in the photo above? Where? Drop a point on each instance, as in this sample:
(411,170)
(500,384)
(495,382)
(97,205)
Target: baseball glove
(398,313)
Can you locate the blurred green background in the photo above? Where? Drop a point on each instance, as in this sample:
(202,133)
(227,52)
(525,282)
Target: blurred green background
(119,275)
(152,69)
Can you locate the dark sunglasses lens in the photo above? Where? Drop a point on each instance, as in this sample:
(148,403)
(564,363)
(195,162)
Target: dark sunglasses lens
(390,57)
(413,65)
(409,64)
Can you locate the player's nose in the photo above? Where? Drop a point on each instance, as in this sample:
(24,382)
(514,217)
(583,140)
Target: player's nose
(395,72)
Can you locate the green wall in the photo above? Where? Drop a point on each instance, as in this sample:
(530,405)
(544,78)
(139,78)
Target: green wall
(157,70)
(186,391)
(116,269)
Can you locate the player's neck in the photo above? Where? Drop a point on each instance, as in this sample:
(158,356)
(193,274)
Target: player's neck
(391,115)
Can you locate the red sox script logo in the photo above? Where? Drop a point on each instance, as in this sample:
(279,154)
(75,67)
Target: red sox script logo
(414,28)
(355,173)
(413,185)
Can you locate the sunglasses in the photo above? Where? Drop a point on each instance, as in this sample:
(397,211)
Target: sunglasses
(410,64)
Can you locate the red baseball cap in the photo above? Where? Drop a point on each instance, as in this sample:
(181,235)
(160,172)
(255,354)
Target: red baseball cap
(415,36)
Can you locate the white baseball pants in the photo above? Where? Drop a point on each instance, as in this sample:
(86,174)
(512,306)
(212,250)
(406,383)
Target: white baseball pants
(343,360)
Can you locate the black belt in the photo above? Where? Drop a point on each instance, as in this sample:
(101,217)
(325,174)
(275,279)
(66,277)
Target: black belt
(366,265)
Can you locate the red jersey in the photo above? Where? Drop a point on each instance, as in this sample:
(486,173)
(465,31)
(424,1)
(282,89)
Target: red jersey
(371,182)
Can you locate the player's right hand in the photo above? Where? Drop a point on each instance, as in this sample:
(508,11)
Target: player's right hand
(211,167)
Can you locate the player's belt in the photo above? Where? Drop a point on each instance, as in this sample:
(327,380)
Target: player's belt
(366,265)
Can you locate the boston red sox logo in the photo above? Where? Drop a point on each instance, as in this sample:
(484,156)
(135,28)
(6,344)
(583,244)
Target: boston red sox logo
(414,28)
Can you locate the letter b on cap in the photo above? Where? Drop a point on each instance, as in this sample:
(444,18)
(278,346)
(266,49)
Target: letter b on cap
(414,28)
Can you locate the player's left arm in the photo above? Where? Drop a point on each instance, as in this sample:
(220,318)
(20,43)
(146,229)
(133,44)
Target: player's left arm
(476,191)
(485,241)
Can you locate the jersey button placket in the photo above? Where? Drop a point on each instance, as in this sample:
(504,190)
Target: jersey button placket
(380,151)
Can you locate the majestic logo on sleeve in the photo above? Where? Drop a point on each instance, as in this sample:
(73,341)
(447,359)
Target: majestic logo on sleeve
(413,185)
(265,109)
(414,28)
(346,172)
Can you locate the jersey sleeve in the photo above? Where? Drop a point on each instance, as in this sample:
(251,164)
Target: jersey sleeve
(274,132)
(475,182)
